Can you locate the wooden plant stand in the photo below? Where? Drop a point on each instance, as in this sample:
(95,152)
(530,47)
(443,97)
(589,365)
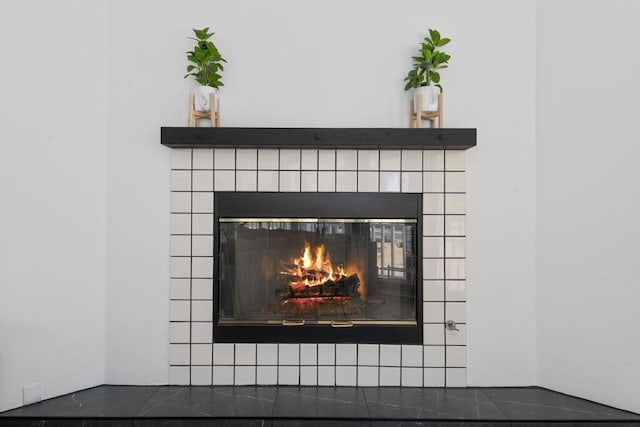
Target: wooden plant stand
(213,114)
(436,118)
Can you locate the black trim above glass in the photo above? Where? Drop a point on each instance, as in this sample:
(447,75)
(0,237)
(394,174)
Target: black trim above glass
(323,138)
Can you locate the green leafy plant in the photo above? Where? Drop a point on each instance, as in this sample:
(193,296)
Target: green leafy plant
(206,61)
(426,66)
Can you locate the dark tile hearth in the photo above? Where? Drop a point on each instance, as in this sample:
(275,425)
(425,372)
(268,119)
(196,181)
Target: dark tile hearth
(163,406)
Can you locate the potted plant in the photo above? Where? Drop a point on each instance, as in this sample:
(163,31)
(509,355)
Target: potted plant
(424,77)
(205,66)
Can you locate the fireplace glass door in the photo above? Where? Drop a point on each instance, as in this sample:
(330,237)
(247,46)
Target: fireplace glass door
(294,271)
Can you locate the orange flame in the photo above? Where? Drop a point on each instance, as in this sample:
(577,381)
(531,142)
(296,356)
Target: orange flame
(312,269)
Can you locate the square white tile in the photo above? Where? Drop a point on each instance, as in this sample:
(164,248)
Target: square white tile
(411,182)
(202,180)
(456,356)
(411,160)
(412,377)
(224,158)
(201,354)
(456,290)
(309,160)
(346,181)
(455,247)
(389,376)
(456,377)
(411,355)
(179,311)
(367,182)
(289,160)
(201,289)
(326,181)
(433,333)
(245,354)
(224,180)
(223,354)
(289,181)
(433,203)
(346,354)
(389,182)
(433,268)
(433,247)
(179,375)
(458,337)
(433,312)
(346,376)
(455,268)
(202,267)
(326,375)
(367,376)
(433,225)
(245,375)
(390,160)
(454,160)
(327,160)
(223,375)
(326,354)
(309,181)
(346,160)
(202,311)
(203,202)
(180,267)
(288,354)
(202,223)
(308,354)
(433,160)
(180,202)
(180,180)
(457,311)
(368,160)
(390,355)
(268,159)
(267,354)
(368,354)
(455,225)
(246,180)
(455,204)
(433,356)
(179,332)
(433,182)
(202,245)
(288,375)
(180,246)
(433,377)
(455,182)
(433,290)
(203,158)
(308,375)
(201,332)
(179,354)
(267,180)
(247,159)
(180,158)
(267,375)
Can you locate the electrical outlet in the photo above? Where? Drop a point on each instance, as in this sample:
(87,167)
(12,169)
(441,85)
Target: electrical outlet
(31,393)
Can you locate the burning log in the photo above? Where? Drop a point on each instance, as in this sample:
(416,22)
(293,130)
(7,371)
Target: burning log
(346,286)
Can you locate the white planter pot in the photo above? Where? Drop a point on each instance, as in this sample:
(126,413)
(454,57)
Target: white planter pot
(429,98)
(202,97)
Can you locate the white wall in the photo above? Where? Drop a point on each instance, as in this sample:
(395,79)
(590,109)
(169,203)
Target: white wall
(588,204)
(52,196)
(330,63)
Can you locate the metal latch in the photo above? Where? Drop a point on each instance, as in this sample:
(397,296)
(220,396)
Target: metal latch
(292,322)
(346,324)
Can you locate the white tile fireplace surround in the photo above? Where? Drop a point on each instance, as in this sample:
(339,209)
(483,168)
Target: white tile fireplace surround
(196,173)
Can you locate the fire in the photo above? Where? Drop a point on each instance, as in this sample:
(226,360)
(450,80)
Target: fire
(312,269)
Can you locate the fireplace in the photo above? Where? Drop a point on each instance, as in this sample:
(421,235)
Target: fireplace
(317,267)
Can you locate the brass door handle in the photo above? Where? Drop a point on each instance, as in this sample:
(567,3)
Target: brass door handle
(347,324)
(292,322)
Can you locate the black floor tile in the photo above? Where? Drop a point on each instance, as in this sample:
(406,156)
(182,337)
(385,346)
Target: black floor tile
(440,424)
(98,402)
(320,402)
(538,404)
(218,402)
(601,423)
(320,423)
(63,423)
(217,422)
(430,403)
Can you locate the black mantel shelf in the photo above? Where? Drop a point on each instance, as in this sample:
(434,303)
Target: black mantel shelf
(371,138)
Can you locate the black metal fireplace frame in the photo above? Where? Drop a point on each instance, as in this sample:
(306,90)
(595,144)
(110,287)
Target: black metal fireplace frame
(315,205)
